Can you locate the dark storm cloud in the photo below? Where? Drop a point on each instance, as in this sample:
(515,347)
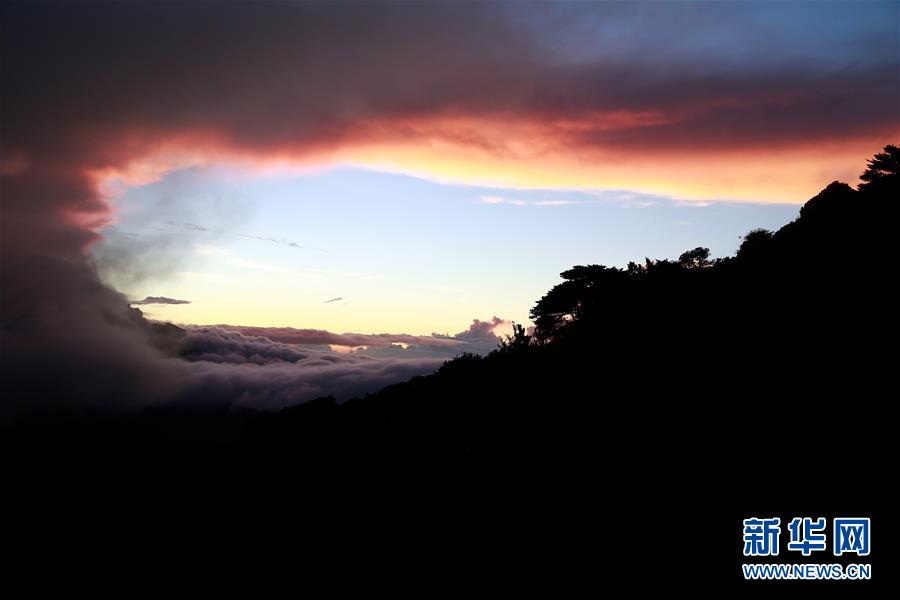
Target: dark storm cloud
(301,76)
(252,74)
(733,113)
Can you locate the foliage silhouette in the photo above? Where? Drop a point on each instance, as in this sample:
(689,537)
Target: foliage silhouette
(882,173)
(695,259)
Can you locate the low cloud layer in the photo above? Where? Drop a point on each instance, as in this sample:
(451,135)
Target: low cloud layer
(255,371)
(274,367)
(114,358)
(480,338)
(157,300)
(278,384)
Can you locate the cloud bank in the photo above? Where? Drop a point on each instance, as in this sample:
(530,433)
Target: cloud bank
(480,338)
(255,371)
(117,359)
(473,91)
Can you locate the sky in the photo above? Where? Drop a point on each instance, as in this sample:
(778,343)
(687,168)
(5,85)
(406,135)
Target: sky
(393,168)
(352,249)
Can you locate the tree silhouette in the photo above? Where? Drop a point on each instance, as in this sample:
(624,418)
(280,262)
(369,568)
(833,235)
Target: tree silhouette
(695,259)
(517,342)
(756,245)
(883,171)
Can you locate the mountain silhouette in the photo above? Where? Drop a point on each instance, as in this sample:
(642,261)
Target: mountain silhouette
(651,410)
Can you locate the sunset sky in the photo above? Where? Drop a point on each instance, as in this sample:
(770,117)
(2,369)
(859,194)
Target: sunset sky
(411,167)
(401,253)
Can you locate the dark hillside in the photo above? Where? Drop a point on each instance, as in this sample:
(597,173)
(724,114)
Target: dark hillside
(654,408)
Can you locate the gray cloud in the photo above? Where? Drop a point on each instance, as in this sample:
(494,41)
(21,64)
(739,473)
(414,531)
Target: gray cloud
(255,371)
(153,247)
(155,363)
(249,369)
(481,332)
(157,300)
(479,338)
(283,383)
